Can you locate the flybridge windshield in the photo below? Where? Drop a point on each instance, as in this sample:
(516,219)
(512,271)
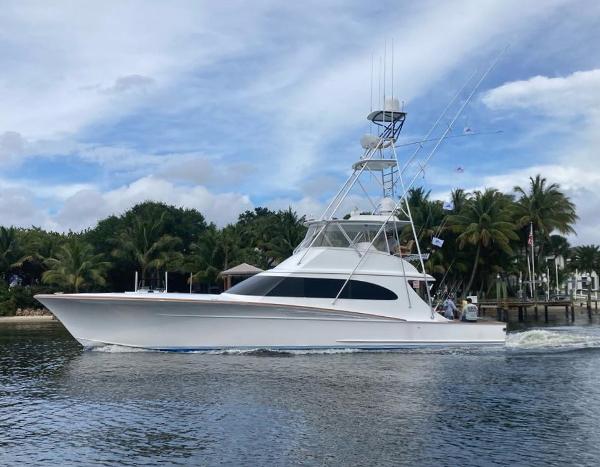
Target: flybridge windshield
(350,235)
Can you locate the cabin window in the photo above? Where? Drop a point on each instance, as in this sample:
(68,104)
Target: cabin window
(311,287)
(255,285)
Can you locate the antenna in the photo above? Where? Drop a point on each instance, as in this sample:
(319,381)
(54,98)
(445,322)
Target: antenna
(379,85)
(371,82)
(384,73)
(392,69)
(371,123)
(406,187)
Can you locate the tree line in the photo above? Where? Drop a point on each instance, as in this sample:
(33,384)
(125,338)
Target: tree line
(150,238)
(485,234)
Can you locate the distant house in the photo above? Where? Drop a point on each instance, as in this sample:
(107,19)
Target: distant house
(578,283)
(237,274)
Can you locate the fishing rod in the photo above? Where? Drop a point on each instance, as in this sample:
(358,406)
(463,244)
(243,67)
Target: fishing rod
(424,161)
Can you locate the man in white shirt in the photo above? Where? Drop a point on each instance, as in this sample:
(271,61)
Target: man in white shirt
(470,311)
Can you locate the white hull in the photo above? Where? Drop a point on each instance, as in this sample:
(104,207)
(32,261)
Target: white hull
(179,324)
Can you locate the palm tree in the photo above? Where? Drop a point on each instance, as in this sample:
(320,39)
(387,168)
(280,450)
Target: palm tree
(145,244)
(10,249)
(427,215)
(544,206)
(75,267)
(38,245)
(459,198)
(281,234)
(206,258)
(484,223)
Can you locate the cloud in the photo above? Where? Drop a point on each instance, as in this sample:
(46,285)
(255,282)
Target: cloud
(129,83)
(18,208)
(245,102)
(11,146)
(572,160)
(333,98)
(56,61)
(86,207)
(574,95)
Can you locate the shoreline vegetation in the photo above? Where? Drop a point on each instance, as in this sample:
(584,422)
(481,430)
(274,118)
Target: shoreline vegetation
(485,245)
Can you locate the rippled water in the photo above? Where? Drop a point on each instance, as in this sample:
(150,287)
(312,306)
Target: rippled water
(535,402)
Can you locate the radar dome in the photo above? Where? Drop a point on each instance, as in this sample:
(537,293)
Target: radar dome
(369,141)
(392,104)
(387,206)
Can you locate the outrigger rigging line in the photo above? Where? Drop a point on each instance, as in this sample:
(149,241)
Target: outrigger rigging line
(380,159)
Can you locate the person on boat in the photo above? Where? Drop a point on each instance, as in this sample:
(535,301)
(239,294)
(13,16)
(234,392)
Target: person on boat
(470,311)
(450,309)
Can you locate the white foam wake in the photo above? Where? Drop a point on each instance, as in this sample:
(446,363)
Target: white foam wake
(113,348)
(542,339)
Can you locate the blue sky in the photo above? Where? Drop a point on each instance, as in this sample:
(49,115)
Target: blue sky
(224,107)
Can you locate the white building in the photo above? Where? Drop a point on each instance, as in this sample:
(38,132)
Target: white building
(578,283)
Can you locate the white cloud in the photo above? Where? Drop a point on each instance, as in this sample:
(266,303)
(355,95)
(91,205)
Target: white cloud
(61,56)
(11,146)
(86,207)
(575,95)
(573,160)
(299,81)
(18,208)
(130,83)
(334,97)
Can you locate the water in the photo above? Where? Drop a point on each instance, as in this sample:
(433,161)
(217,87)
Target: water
(535,402)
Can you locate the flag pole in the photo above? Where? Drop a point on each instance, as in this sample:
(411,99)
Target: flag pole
(529,274)
(533,260)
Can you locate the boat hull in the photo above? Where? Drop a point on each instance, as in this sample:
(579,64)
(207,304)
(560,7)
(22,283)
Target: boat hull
(188,325)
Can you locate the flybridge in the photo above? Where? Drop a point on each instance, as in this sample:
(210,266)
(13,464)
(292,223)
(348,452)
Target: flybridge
(379,230)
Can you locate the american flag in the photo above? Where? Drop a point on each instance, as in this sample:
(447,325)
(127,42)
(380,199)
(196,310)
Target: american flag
(530,239)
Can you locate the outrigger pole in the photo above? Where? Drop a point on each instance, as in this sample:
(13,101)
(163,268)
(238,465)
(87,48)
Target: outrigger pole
(390,130)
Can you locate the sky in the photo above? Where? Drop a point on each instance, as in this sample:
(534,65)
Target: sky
(226,106)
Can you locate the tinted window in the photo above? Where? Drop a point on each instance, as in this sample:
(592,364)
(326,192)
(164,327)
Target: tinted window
(367,291)
(311,287)
(255,285)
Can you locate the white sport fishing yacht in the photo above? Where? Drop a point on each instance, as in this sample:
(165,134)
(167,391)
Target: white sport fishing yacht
(349,284)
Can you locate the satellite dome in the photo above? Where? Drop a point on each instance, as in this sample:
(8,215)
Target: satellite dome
(369,141)
(392,104)
(387,206)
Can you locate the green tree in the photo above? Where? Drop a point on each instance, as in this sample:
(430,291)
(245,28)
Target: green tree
(208,256)
(544,206)
(281,233)
(10,250)
(484,223)
(76,267)
(38,245)
(147,246)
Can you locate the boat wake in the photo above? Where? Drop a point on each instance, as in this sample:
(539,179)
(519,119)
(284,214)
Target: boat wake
(113,348)
(554,339)
(282,352)
(258,352)
(533,340)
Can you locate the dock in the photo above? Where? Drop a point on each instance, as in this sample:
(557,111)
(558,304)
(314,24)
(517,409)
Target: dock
(526,310)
